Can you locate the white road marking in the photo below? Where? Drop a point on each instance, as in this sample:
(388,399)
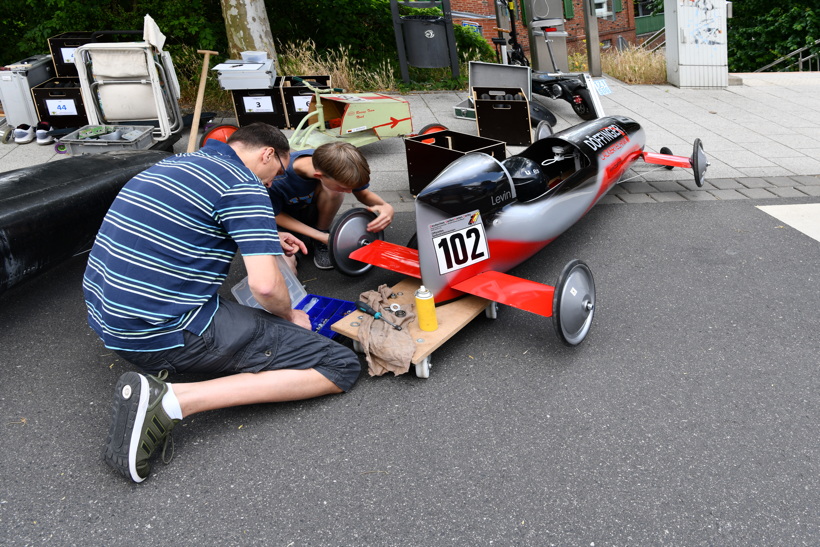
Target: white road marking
(803,217)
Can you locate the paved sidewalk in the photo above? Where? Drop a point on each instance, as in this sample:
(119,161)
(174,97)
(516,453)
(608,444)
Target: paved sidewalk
(762,139)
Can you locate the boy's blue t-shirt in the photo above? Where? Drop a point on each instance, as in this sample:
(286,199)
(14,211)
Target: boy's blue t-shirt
(291,192)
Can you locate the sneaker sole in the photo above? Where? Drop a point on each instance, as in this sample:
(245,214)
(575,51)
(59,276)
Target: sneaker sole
(322,267)
(127,418)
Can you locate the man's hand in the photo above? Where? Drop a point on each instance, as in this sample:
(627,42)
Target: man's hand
(291,244)
(298,317)
(385,217)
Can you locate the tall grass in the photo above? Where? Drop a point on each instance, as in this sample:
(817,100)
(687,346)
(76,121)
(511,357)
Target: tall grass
(188,65)
(344,70)
(633,65)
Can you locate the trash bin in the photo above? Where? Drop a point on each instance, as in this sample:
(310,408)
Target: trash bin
(425,40)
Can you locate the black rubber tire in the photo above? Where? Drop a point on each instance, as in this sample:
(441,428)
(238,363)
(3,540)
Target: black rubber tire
(584,109)
(432,128)
(220,130)
(699,163)
(668,152)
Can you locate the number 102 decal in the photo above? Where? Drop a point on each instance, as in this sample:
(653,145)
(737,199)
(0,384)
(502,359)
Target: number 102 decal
(463,245)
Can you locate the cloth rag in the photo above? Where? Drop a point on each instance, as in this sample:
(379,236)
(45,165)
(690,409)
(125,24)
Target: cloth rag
(386,349)
(151,33)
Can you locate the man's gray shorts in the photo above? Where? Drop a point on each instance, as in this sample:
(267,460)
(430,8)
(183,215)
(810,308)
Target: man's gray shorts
(243,339)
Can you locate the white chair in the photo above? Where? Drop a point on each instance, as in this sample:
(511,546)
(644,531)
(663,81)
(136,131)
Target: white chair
(123,82)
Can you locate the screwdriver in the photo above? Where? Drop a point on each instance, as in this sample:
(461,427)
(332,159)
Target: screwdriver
(362,306)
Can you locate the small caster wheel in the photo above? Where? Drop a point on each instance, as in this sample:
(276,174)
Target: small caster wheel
(491,311)
(668,152)
(61,148)
(7,135)
(423,368)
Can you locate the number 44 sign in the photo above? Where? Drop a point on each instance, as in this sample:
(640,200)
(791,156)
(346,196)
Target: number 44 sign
(459,242)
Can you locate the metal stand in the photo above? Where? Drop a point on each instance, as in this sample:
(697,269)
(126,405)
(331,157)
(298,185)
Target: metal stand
(444,6)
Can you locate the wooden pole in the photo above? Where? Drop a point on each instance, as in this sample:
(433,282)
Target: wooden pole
(200,97)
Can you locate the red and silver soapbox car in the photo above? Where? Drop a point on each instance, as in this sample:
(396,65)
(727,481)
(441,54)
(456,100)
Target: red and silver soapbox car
(481,217)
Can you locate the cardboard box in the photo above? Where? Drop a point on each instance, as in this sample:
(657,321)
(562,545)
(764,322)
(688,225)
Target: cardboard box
(428,155)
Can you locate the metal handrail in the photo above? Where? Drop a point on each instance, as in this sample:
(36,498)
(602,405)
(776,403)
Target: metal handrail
(800,60)
(654,37)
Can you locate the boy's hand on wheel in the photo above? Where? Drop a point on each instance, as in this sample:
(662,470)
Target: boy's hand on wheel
(385,217)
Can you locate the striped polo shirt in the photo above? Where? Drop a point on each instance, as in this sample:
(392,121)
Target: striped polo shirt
(166,245)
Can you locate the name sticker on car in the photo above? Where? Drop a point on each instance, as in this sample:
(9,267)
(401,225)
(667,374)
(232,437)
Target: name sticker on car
(459,242)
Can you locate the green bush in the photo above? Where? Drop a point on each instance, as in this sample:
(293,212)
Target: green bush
(26,25)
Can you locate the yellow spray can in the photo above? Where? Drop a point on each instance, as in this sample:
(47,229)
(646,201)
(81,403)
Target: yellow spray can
(426,309)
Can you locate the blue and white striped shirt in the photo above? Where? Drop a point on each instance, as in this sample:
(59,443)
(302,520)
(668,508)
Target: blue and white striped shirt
(166,245)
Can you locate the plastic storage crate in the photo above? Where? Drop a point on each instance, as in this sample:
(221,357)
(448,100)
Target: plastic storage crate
(322,310)
(86,140)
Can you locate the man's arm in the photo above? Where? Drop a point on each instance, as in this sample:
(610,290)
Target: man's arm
(377,205)
(268,287)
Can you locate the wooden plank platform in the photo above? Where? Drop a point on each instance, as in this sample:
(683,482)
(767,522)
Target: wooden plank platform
(452,317)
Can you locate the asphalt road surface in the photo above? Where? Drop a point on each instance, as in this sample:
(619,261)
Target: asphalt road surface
(687,417)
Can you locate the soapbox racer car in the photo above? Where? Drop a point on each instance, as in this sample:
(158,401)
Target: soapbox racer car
(357,118)
(481,217)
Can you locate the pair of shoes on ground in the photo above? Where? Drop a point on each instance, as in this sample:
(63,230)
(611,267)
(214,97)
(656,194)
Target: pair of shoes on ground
(139,424)
(24,133)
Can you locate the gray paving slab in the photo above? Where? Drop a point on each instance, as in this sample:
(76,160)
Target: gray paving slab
(758,193)
(767,127)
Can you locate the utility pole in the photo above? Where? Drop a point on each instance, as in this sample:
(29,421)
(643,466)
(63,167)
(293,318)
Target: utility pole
(593,41)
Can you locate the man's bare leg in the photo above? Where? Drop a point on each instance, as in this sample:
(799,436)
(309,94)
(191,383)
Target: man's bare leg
(270,386)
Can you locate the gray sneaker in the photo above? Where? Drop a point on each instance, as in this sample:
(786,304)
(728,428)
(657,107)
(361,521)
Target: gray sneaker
(321,256)
(139,425)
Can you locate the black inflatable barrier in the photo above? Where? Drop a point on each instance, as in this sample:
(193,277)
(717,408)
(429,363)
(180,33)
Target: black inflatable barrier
(51,212)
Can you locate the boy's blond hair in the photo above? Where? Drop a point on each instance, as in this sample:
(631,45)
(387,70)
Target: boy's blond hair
(342,162)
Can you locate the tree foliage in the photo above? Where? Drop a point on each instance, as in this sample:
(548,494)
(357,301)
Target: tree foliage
(26,25)
(761,31)
(364,27)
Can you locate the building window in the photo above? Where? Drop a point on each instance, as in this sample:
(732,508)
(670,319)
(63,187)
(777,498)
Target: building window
(602,9)
(643,8)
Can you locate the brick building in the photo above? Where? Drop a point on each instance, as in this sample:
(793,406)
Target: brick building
(622,25)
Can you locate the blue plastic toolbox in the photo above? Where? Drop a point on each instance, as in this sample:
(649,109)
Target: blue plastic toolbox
(325,311)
